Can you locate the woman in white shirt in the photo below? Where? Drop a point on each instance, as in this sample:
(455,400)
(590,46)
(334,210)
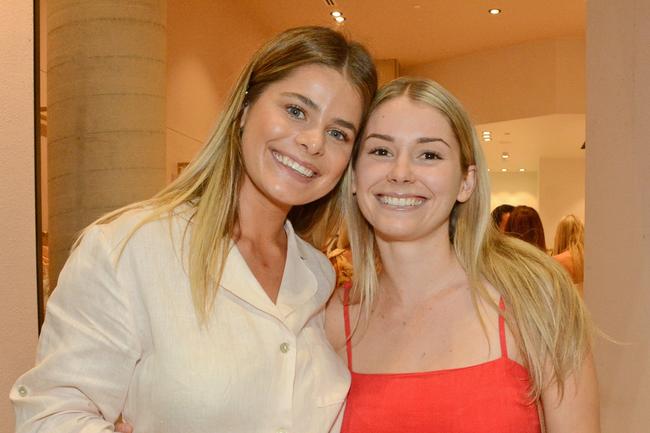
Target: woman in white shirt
(201,310)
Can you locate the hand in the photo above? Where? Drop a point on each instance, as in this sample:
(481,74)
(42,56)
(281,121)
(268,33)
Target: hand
(123,427)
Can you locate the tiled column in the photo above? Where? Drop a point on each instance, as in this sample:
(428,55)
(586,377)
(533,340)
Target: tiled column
(106,111)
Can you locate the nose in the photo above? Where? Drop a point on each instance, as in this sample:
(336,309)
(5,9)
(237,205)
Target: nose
(312,141)
(401,170)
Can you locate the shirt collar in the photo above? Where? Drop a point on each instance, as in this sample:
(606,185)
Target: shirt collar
(296,299)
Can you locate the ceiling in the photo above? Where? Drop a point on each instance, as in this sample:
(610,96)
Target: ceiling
(420,31)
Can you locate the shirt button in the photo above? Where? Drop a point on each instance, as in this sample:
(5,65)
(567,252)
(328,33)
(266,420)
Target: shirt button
(22,391)
(284,348)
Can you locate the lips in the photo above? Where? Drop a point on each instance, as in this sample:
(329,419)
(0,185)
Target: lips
(294,165)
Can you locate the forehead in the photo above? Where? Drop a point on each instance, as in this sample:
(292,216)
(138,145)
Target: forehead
(405,118)
(325,86)
(315,78)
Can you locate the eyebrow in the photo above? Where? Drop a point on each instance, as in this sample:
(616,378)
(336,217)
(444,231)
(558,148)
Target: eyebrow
(419,140)
(305,100)
(431,140)
(346,124)
(314,106)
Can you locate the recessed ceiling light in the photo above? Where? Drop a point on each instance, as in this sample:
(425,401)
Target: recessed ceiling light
(522,169)
(504,170)
(488,170)
(336,14)
(339,19)
(505,155)
(487,136)
(494,11)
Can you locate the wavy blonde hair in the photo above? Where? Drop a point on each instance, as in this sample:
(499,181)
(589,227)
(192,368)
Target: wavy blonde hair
(570,235)
(544,312)
(212,180)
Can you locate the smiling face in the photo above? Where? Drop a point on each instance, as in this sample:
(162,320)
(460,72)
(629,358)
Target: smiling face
(297,136)
(408,174)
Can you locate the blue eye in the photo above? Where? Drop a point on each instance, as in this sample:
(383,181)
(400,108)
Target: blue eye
(295,112)
(338,135)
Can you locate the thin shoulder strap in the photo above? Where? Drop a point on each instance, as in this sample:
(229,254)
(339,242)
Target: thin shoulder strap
(502,329)
(346,318)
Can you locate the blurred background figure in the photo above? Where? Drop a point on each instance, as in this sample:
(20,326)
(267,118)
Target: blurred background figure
(524,223)
(500,214)
(568,248)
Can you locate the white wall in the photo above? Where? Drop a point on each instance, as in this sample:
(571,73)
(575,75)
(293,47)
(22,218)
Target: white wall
(202,65)
(18,316)
(517,189)
(525,80)
(617,274)
(561,192)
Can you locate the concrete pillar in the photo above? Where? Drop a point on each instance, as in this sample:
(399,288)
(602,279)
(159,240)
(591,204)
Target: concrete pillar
(617,273)
(106,111)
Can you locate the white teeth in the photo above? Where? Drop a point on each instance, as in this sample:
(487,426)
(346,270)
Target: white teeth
(401,201)
(285,160)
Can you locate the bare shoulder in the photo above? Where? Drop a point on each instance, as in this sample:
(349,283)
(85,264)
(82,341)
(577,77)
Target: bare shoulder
(564,258)
(334,321)
(578,408)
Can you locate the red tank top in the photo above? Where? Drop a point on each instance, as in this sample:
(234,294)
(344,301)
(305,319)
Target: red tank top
(491,397)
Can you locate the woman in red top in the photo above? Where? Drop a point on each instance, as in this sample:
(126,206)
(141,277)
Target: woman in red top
(462,329)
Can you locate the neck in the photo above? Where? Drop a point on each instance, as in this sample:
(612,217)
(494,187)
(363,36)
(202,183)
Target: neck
(413,271)
(260,221)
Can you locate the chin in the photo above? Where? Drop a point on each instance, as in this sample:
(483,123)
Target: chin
(397,234)
(290,197)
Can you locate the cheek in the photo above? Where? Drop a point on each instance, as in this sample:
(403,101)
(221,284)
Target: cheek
(447,181)
(339,158)
(366,173)
(261,128)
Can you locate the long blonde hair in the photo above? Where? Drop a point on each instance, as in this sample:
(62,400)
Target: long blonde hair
(212,180)
(544,312)
(570,235)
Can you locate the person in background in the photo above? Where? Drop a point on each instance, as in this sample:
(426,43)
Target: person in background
(450,326)
(524,223)
(202,309)
(568,248)
(500,215)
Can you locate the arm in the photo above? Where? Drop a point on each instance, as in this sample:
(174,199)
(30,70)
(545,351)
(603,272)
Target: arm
(578,411)
(87,349)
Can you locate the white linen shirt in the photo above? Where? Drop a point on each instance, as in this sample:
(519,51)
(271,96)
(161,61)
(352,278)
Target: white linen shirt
(122,336)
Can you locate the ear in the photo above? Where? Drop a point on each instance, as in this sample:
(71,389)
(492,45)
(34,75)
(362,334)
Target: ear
(467,185)
(244,115)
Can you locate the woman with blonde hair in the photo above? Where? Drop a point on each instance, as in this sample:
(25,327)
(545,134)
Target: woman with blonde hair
(450,326)
(201,309)
(568,247)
